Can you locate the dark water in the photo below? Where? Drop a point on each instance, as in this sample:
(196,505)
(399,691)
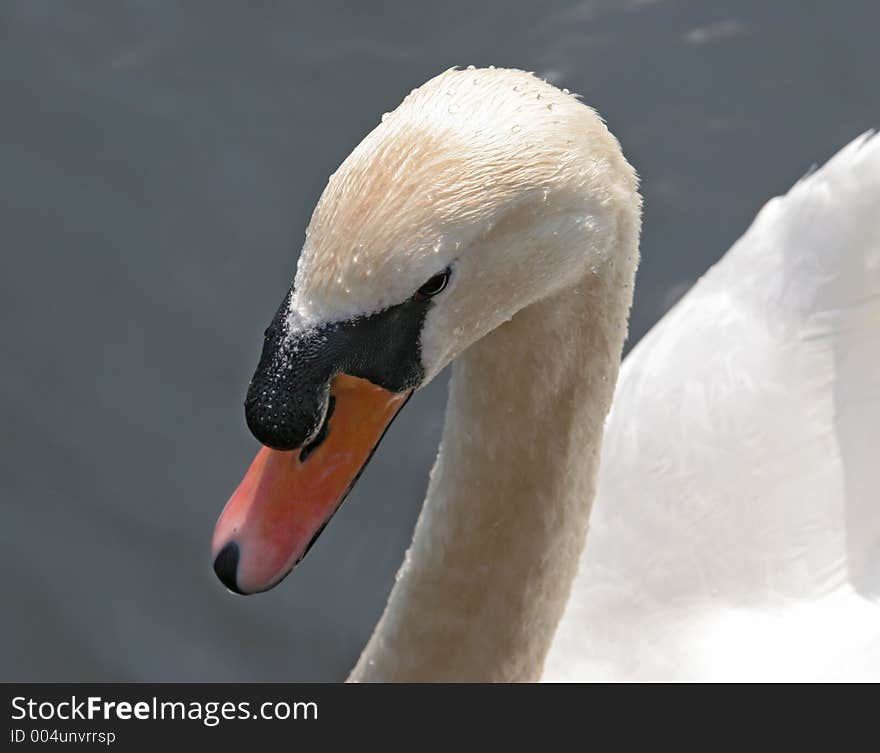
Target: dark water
(159,165)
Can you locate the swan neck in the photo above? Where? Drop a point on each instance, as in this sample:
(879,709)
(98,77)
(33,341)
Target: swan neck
(497,544)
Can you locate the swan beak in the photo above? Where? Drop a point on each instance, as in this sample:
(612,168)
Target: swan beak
(286,498)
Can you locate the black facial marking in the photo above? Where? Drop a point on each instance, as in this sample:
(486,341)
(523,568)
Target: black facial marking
(286,397)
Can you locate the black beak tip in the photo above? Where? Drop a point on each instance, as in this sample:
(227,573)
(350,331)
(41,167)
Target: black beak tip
(226,565)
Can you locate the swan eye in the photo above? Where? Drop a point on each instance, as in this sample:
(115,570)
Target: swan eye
(437,284)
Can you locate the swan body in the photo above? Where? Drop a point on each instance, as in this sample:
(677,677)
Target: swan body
(736,529)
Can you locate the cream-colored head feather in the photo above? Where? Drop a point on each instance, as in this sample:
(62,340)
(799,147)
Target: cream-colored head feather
(514,184)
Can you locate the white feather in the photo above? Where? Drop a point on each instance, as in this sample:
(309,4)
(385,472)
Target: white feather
(736,529)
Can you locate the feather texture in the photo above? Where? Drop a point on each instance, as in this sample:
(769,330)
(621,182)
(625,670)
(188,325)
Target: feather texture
(736,529)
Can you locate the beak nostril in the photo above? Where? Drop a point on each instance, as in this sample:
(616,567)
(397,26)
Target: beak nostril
(320,435)
(226,566)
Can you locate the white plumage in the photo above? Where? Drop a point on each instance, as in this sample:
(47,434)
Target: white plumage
(736,529)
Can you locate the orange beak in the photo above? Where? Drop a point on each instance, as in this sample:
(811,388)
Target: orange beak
(286,498)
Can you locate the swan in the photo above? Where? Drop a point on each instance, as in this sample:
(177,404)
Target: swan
(492,221)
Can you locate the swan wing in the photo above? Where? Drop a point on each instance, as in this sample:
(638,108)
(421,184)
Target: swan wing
(736,529)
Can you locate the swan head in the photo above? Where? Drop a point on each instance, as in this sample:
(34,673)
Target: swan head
(483,192)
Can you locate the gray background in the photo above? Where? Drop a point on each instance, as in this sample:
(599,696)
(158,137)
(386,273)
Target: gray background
(159,165)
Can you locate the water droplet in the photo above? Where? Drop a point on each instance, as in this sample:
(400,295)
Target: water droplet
(566,91)
(491,67)
(538,97)
(550,106)
(385,116)
(516,129)
(471,67)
